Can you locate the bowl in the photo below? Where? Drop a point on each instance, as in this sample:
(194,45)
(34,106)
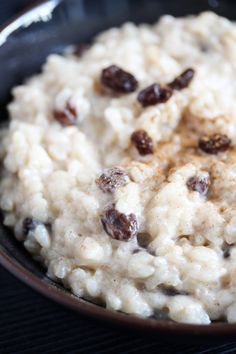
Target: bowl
(48,27)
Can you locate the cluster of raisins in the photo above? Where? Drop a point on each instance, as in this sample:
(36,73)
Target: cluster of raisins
(120,81)
(212,145)
(155,93)
(117,225)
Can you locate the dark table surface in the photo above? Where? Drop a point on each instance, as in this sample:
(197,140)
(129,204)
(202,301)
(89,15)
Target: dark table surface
(29,323)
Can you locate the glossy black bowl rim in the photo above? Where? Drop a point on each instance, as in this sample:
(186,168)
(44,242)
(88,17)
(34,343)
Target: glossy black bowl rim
(84,307)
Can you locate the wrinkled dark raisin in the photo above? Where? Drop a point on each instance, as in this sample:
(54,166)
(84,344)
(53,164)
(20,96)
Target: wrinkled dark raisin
(172,291)
(183,80)
(118,80)
(143,142)
(111,179)
(118,225)
(214,144)
(67,116)
(199,184)
(29,224)
(143,239)
(80,49)
(154,94)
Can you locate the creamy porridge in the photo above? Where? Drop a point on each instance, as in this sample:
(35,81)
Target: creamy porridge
(120,168)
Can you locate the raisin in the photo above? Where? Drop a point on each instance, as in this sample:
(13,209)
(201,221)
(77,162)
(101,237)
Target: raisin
(143,142)
(144,239)
(214,143)
(111,179)
(136,250)
(118,80)
(183,80)
(199,184)
(140,286)
(172,291)
(29,224)
(226,250)
(119,226)
(162,314)
(154,94)
(80,49)
(67,116)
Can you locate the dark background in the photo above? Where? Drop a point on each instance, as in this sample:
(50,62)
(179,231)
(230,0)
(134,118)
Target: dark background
(30,323)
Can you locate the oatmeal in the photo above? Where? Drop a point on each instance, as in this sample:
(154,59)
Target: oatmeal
(119,168)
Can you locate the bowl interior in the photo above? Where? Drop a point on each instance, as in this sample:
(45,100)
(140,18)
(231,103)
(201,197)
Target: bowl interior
(23,53)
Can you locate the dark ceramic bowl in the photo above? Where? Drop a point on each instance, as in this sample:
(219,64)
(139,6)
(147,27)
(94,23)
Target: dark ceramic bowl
(25,42)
